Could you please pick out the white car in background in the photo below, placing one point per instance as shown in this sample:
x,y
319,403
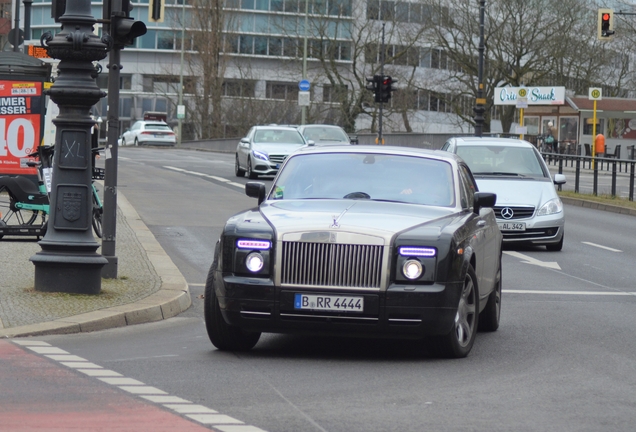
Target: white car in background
x,y
528,208
323,134
145,132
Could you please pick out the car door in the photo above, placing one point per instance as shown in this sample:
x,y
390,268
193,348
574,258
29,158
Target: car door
x,y
485,235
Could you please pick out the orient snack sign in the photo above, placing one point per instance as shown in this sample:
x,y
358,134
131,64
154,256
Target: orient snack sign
x,y
533,95
21,110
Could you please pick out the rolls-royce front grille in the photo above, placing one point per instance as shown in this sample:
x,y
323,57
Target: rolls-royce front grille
x,y
511,213
277,158
331,265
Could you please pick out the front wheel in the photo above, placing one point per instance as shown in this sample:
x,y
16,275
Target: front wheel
x,y
459,341
250,174
224,336
556,247
238,171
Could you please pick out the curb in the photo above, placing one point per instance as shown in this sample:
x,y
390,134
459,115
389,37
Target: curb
x,y
598,206
172,298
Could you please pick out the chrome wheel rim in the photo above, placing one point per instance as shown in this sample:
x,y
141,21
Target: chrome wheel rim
x,y
465,318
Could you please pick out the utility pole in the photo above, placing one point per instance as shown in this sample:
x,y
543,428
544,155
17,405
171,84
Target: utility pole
x,y
380,139
480,108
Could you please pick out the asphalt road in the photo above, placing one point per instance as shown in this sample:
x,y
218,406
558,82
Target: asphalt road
x,y
563,359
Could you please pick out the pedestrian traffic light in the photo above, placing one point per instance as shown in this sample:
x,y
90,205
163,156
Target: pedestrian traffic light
x,y
605,24
386,87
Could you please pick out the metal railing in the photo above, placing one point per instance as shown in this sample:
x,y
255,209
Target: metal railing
x,y
594,166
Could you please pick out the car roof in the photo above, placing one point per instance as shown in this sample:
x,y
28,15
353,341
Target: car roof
x,y
276,127
319,125
492,141
378,149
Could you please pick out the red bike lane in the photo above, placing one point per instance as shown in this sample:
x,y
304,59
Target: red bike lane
x,y
41,395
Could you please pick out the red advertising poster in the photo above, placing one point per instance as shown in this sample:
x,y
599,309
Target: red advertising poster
x,y
20,124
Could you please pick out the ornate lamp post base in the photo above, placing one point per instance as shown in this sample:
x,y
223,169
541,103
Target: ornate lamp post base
x,y
68,261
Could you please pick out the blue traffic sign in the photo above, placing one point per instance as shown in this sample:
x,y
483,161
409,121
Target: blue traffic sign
x,y
304,85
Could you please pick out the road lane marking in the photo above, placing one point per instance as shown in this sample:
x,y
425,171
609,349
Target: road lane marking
x,y
198,413
588,293
221,179
529,260
602,247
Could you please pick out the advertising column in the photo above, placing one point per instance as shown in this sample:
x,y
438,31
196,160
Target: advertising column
x,y
21,119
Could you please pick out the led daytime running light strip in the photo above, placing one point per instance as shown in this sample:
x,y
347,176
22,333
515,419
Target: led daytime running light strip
x,y
253,244
417,251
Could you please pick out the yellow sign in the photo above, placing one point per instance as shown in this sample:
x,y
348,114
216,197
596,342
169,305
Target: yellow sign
x,y
523,92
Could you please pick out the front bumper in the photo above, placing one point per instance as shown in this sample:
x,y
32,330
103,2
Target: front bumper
x,y
401,311
262,167
540,230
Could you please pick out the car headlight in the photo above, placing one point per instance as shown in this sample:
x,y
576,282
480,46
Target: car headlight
x,y
252,257
412,269
551,207
254,262
260,155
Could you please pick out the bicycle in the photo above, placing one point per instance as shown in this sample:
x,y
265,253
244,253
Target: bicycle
x,y
22,203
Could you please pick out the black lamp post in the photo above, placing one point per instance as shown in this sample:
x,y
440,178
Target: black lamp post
x,y
480,108
68,261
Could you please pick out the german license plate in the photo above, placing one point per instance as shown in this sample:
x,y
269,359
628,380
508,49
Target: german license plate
x,y
328,303
512,226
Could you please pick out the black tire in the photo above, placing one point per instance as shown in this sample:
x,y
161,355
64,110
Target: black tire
x,y
250,174
237,168
97,220
223,335
489,317
459,341
556,247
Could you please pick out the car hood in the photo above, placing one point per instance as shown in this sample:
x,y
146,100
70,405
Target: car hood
x,y
276,148
512,192
373,218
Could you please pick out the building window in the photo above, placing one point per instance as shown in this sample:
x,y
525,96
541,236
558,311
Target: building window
x,y
282,91
239,88
334,94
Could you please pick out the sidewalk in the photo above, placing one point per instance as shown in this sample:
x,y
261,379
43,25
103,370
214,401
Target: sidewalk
x,y
149,287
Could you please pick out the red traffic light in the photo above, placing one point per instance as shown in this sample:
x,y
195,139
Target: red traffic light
x,y
606,16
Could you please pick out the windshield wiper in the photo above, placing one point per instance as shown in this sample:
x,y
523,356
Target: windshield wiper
x,y
499,173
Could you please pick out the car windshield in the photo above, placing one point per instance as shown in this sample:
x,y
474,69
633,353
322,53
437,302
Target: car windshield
x,y
381,177
280,136
501,160
321,133
154,126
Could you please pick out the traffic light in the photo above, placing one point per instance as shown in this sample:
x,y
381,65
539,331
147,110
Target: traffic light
x,y
156,10
386,87
605,24
124,30
374,86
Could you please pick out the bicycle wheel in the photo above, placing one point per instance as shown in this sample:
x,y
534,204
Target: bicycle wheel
x,y
12,215
97,219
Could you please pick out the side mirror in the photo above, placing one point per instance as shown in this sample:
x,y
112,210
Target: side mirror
x,y
255,190
245,141
559,179
311,143
483,199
